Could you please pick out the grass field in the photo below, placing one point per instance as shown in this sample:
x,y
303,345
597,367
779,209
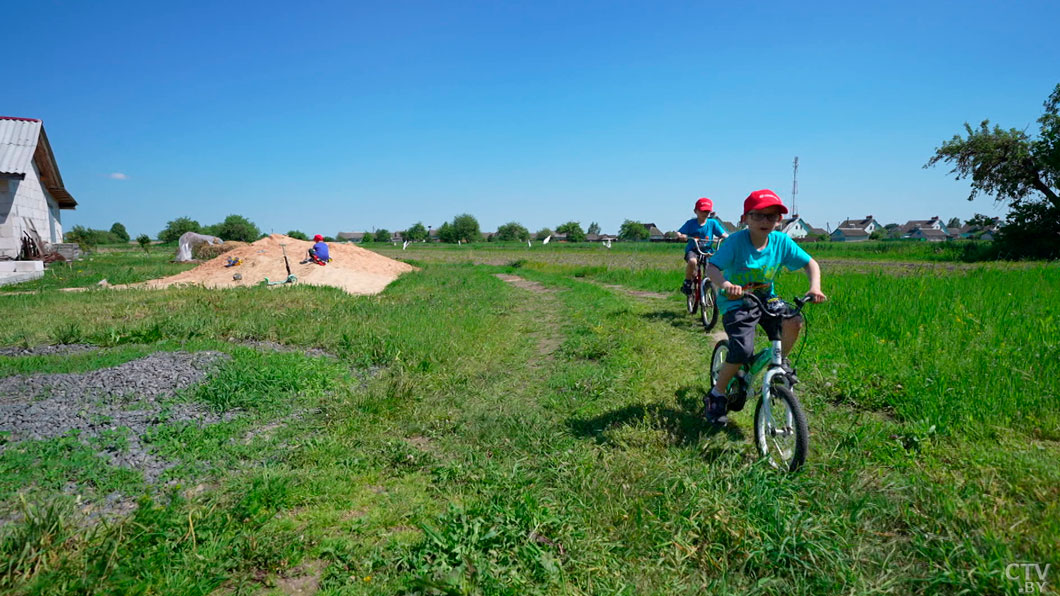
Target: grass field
x,y
473,436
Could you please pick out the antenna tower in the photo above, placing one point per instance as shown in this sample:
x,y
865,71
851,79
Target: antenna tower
x,y
794,185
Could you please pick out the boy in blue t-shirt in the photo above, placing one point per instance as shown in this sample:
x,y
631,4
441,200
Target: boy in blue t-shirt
x,y
704,226
749,261
319,252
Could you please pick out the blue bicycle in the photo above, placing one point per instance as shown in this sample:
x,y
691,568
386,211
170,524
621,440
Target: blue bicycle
x,y
781,432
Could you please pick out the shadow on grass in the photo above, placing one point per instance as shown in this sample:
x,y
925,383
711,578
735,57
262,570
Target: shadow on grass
x,y
677,318
684,424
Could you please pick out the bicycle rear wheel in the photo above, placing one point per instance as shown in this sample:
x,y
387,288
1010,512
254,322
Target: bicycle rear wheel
x,y
783,437
708,312
721,350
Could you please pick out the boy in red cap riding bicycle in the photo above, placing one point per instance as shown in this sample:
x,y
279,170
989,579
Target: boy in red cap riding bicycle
x,y
749,261
703,225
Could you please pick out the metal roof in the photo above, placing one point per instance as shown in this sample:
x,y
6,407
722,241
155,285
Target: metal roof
x,y
22,140
18,141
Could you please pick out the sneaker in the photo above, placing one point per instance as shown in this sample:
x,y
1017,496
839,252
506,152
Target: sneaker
x,y
716,409
686,288
789,369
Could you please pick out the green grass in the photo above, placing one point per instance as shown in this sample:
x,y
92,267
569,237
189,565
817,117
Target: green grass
x,y
475,437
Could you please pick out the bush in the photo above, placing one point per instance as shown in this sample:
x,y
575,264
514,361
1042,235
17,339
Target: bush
x,y
297,235
144,241
88,238
206,251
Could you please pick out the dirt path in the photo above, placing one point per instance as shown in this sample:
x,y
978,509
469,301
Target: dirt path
x,y
549,336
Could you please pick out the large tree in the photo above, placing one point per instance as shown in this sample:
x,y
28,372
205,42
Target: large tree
x,y
464,228
1014,167
176,228
236,227
416,232
573,230
512,231
594,228
633,230
119,232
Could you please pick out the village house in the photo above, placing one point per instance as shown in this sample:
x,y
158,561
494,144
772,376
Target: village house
x,y
797,228
868,224
654,233
32,194
917,229
848,235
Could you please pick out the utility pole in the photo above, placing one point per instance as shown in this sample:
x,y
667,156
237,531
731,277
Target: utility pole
x,y
794,185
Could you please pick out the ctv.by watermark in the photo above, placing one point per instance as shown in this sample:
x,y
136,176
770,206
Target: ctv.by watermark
x,y
1031,576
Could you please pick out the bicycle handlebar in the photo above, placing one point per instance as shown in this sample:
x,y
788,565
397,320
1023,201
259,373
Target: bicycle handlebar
x,y
695,247
799,303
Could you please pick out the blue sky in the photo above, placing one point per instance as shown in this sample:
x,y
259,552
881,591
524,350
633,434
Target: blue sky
x,y
350,116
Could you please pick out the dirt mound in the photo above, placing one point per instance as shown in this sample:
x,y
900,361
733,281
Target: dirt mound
x,y
352,268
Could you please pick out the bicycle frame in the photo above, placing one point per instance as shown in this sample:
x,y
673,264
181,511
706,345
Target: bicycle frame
x,y
770,359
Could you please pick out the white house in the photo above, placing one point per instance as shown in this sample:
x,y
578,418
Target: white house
x,y
909,230
796,227
31,189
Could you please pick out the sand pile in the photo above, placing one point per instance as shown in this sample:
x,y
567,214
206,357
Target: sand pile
x,y
352,268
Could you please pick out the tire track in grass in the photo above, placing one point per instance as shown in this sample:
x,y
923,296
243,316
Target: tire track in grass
x,y
549,337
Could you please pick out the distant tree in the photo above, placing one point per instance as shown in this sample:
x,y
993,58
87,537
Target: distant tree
x,y
416,233
119,232
446,233
878,234
543,233
382,235
464,228
176,228
573,230
236,227
511,232
594,229
1021,170
144,241
467,229
329,239
633,230
981,221
954,222
297,235
892,231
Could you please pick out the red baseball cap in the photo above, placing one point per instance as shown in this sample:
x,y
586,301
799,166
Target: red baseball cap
x,y
760,199
318,238
704,204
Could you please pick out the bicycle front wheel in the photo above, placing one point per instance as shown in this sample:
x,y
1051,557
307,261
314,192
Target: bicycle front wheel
x,y
708,312
782,435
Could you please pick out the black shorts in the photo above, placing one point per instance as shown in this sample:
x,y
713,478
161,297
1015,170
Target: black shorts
x,y
740,326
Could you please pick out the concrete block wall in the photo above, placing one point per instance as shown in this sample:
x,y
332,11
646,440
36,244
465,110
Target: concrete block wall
x,y
27,200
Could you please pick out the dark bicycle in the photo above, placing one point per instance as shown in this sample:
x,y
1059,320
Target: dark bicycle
x,y
702,299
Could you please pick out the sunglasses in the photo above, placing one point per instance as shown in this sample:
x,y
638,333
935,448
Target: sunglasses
x,y
759,216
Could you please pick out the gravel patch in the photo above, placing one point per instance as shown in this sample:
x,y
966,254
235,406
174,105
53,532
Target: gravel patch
x,y
47,350
119,404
